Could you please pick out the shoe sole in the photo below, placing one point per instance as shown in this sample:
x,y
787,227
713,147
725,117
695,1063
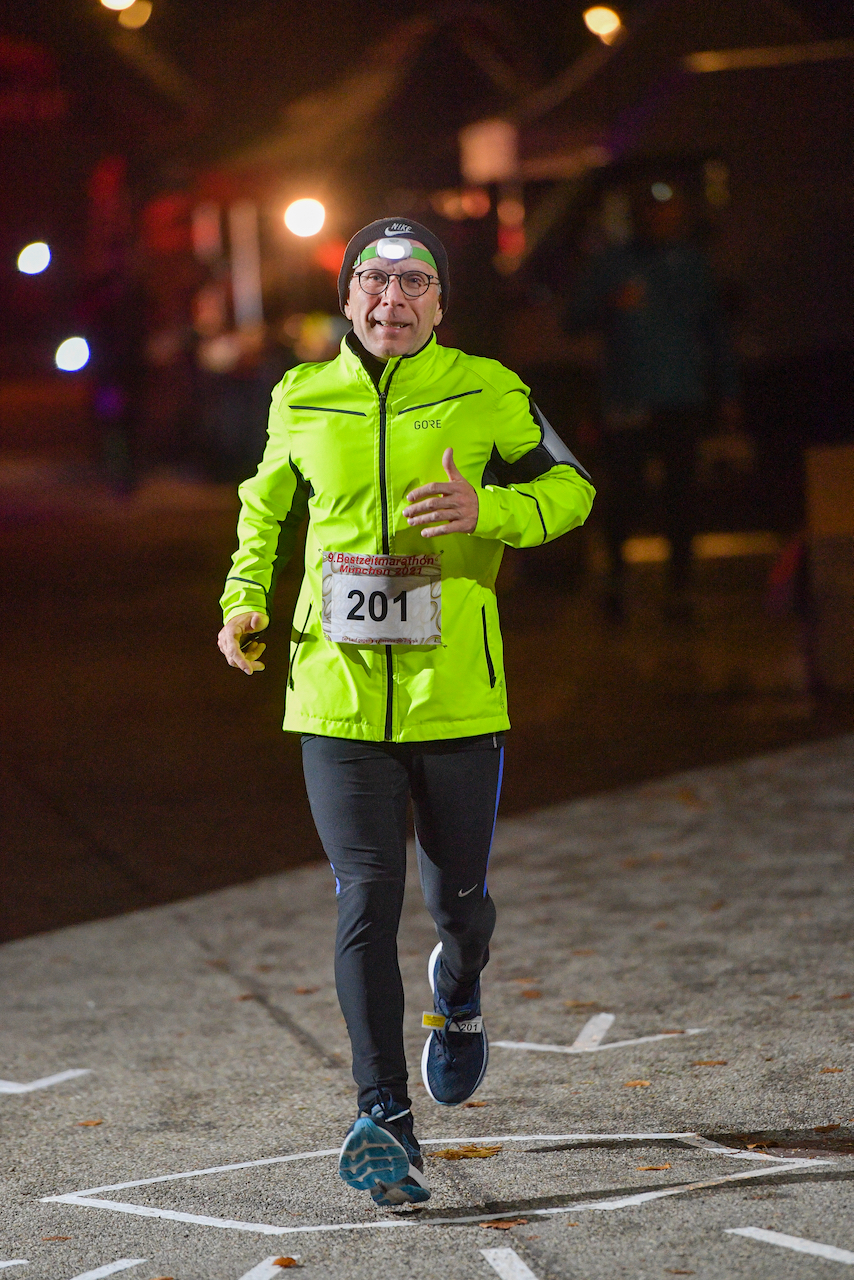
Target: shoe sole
x,y
431,976
371,1156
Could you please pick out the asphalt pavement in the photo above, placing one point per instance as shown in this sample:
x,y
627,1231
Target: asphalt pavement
x,y
670,1087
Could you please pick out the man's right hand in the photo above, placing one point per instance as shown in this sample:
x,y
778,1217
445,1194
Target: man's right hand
x,y
229,641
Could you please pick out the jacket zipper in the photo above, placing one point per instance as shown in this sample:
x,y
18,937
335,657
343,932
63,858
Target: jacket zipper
x,y
389,670
490,668
296,650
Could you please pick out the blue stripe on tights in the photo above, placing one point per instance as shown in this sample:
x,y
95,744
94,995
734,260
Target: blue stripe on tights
x,y
495,817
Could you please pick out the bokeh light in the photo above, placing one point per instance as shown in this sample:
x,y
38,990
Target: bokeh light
x,y
117,4
603,22
136,15
305,217
72,354
34,258
662,192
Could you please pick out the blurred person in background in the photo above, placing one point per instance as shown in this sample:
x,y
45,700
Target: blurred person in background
x,y
667,365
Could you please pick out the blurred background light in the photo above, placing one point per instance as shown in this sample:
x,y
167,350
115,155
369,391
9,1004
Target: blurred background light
x,y
135,15
603,22
33,258
117,4
72,354
305,217
662,192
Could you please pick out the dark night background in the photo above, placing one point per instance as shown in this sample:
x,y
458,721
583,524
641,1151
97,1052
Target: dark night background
x,y
135,767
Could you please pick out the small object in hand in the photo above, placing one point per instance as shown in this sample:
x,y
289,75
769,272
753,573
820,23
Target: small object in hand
x,y
504,1224
88,1124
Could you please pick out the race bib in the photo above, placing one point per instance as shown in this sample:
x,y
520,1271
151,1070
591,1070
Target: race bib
x,y
382,599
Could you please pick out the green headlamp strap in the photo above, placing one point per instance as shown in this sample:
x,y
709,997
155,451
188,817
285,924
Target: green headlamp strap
x,y
411,251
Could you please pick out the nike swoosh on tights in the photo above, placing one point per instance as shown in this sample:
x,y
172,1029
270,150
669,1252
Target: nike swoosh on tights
x,y
465,893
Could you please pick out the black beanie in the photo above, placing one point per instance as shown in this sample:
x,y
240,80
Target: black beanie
x,y
397,228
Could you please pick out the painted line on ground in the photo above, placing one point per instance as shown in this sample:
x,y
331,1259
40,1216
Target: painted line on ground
x,y
594,1048
268,1269
795,1242
12,1086
769,1165
593,1032
508,1264
110,1269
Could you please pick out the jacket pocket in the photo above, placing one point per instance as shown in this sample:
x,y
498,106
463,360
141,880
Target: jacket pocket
x,y
295,654
489,665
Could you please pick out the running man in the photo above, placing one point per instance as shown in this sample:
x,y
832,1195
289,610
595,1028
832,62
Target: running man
x,y
396,681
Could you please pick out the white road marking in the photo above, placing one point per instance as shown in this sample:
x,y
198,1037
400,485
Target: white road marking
x,y
593,1032
12,1086
768,1165
596,1048
795,1242
267,1270
508,1264
109,1269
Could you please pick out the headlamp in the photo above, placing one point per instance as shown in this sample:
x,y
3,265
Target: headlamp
x,y
395,250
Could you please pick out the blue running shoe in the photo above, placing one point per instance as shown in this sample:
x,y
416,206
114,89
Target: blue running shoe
x,y
381,1155
456,1054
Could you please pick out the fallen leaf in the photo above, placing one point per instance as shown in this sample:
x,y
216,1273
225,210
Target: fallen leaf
x,y
716,906
652,1168
581,1004
688,796
583,951
306,991
526,982
674,1031
56,1237
468,1152
247,995
846,995
531,995
826,1128
88,1124
831,1071
475,1104
660,924
285,1262
793,997
264,968
637,1084
504,1224
710,1062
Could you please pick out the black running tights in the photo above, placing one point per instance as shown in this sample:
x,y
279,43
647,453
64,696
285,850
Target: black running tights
x,y
358,792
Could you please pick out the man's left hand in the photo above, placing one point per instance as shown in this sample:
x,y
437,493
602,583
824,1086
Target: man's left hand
x,y
446,507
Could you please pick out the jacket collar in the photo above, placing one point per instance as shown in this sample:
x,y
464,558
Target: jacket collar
x,y
404,369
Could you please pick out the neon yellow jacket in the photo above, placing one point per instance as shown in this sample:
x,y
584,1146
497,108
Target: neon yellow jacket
x,y
348,452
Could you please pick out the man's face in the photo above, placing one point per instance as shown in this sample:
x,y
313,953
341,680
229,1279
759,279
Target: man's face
x,y
392,324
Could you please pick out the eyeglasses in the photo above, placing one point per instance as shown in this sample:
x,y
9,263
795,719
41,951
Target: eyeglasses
x,y
413,283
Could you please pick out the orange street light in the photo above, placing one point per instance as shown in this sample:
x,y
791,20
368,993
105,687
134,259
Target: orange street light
x,y
305,217
603,22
